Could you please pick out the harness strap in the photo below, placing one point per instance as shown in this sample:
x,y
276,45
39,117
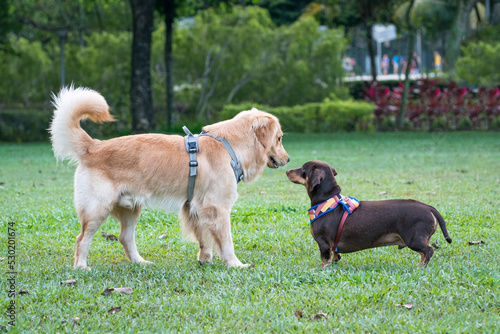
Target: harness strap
x,y
238,171
349,206
192,148
339,231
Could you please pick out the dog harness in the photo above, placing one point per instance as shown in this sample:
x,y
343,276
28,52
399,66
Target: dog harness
x,y
348,203
192,148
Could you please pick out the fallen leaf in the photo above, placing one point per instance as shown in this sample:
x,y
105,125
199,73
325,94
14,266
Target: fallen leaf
x,y
1,258
125,291
68,282
298,314
376,184
263,193
410,182
382,193
476,242
435,245
109,237
115,310
75,321
320,315
162,236
22,292
108,291
408,306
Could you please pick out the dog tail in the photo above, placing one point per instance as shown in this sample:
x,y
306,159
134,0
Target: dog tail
x,y
442,223
69,140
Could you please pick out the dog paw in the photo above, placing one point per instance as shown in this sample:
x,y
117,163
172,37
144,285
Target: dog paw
x,y
81,267
241,265
202,263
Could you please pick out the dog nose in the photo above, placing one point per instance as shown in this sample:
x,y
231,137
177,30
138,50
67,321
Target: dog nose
x,y
288,159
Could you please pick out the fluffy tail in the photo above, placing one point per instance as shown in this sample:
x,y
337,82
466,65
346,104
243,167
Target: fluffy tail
x,y
442,224
69,140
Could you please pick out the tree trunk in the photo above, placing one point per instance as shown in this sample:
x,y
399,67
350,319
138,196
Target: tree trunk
x,y
140,90
457,32
404,100
371,50
169,8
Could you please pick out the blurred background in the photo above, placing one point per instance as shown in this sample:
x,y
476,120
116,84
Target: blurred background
x,y
333,65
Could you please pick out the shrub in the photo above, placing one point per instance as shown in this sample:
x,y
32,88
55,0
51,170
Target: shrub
x,y
20,125
327,116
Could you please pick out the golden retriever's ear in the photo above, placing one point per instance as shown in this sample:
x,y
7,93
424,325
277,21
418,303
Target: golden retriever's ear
x,y
264,129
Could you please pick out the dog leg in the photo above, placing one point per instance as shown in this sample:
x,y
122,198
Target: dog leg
x,y
205,243
199,232
220,230
88,228
425,251
325,252
128,221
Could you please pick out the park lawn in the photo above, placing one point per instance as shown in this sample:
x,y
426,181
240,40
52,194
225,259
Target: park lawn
x,y
459,292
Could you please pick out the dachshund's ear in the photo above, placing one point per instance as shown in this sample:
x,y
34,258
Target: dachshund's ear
x,y
317,176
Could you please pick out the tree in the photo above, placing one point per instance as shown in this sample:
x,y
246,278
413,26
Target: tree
x,y
366,13
242,56
411,46
458,29
141,101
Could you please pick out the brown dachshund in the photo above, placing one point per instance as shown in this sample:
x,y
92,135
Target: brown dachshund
x,y
401,222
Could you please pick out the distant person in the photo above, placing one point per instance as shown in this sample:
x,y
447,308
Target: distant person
x,y
415,64
346,64
385,64
438,65
395,64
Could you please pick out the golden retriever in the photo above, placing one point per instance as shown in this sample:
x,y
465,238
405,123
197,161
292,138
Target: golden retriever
x,y
120,176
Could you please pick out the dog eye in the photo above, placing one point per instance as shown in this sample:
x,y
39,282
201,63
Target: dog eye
x,y
279,139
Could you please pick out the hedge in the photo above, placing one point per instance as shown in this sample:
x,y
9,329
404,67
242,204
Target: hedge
x,y
28,125
21,125
337,115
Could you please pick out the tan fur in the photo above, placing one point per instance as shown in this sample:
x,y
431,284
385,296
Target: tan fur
x,y
122,175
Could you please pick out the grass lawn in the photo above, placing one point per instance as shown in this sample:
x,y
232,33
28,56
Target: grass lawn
x,y
459,292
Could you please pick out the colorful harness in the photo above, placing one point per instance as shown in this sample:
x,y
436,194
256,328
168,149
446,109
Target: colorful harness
x,y
348,203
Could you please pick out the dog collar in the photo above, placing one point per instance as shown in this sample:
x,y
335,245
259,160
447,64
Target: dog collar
x,y
348,203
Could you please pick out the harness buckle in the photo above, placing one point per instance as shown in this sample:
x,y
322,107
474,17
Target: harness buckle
x,y
193,163
192,147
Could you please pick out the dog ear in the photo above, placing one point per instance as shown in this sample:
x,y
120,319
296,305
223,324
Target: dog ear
x,y
317,176
334,172
262,125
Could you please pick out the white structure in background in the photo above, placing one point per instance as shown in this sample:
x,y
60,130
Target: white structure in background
x,y
381,34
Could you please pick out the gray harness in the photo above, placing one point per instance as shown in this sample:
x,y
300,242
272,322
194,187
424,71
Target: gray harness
x,y
192,148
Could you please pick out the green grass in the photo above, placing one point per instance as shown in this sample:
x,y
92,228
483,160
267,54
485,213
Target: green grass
x,y
458,173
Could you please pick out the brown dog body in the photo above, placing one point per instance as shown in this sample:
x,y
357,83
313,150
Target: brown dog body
x,y
401,222
122,175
